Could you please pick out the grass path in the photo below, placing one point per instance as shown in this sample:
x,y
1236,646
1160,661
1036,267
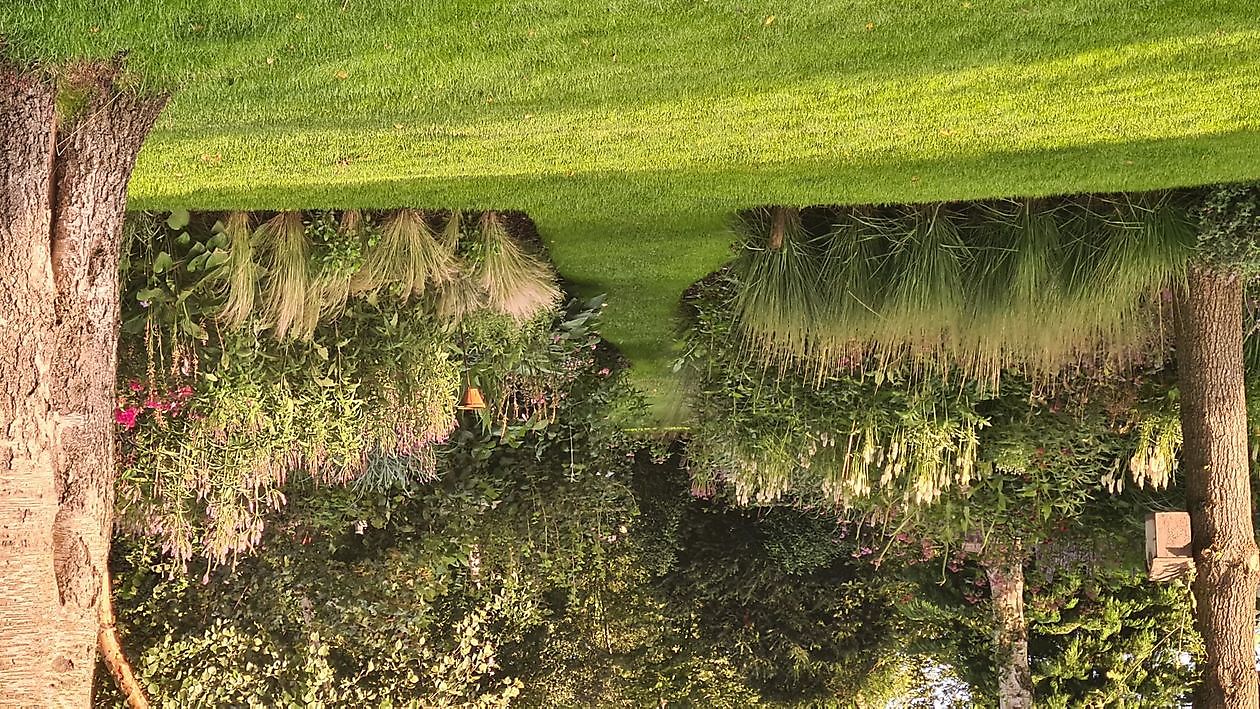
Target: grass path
x,y
630,128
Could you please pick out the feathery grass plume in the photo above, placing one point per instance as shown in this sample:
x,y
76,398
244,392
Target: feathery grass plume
x,y
452,231
515,282
926,287
288,297
407,256
240,286
1012,289
977,288
852,290
780,297
463,295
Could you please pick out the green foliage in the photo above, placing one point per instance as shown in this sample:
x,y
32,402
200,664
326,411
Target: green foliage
x,y
1112,639
879,438
1100,633
449,580
786,595
215,420
856,436
1229,227
297,634
973,288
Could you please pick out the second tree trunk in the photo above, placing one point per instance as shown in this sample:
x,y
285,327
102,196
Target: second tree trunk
x,y
1218,483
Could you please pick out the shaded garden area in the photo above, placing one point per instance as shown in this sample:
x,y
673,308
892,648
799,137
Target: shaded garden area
x,y
866,484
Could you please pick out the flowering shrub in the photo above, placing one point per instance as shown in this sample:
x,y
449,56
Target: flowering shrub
x,y
216,419
200,472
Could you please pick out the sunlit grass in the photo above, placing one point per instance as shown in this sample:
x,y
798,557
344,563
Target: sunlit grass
x,y
629,131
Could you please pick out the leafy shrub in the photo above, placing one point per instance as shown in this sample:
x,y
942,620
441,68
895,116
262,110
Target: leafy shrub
x,y
1229,227
351,385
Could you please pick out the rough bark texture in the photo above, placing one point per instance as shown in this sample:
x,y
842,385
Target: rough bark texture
x,y
778,226
1218,483
28,499
61,215
1010,632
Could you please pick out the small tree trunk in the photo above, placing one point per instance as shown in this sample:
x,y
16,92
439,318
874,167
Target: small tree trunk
x,y
61,214
1218,483
779,219
113,656
1010,631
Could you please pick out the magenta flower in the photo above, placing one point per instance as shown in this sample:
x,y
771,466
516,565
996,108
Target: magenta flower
x,y
135,385
126,417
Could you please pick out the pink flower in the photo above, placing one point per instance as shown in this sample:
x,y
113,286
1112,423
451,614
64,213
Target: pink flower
x,y
605,372
126,417
135,385
152,402
185,392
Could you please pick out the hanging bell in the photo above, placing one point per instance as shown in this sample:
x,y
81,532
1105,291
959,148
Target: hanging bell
x,y
473,400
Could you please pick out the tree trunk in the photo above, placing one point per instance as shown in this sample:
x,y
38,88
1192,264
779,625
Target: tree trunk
x,y
1218,483
779,219
1010,631
61,215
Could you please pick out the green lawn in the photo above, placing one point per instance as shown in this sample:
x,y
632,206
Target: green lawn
x,y
630,130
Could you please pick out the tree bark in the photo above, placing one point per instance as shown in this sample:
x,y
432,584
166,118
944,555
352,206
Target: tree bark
x,y
1218,483
779,218
61,217
1010,631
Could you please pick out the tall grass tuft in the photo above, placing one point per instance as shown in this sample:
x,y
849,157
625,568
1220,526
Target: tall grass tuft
x,y
240,284
515,282
290,305
463,295
779,270
407,257
452,231
1040,286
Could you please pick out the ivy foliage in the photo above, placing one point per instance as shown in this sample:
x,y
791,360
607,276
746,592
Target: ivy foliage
x,y
1229,227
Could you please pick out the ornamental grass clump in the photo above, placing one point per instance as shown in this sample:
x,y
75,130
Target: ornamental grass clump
x,y
1037,286
290,306
240,273
515,282
464,295
779,269
407,258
